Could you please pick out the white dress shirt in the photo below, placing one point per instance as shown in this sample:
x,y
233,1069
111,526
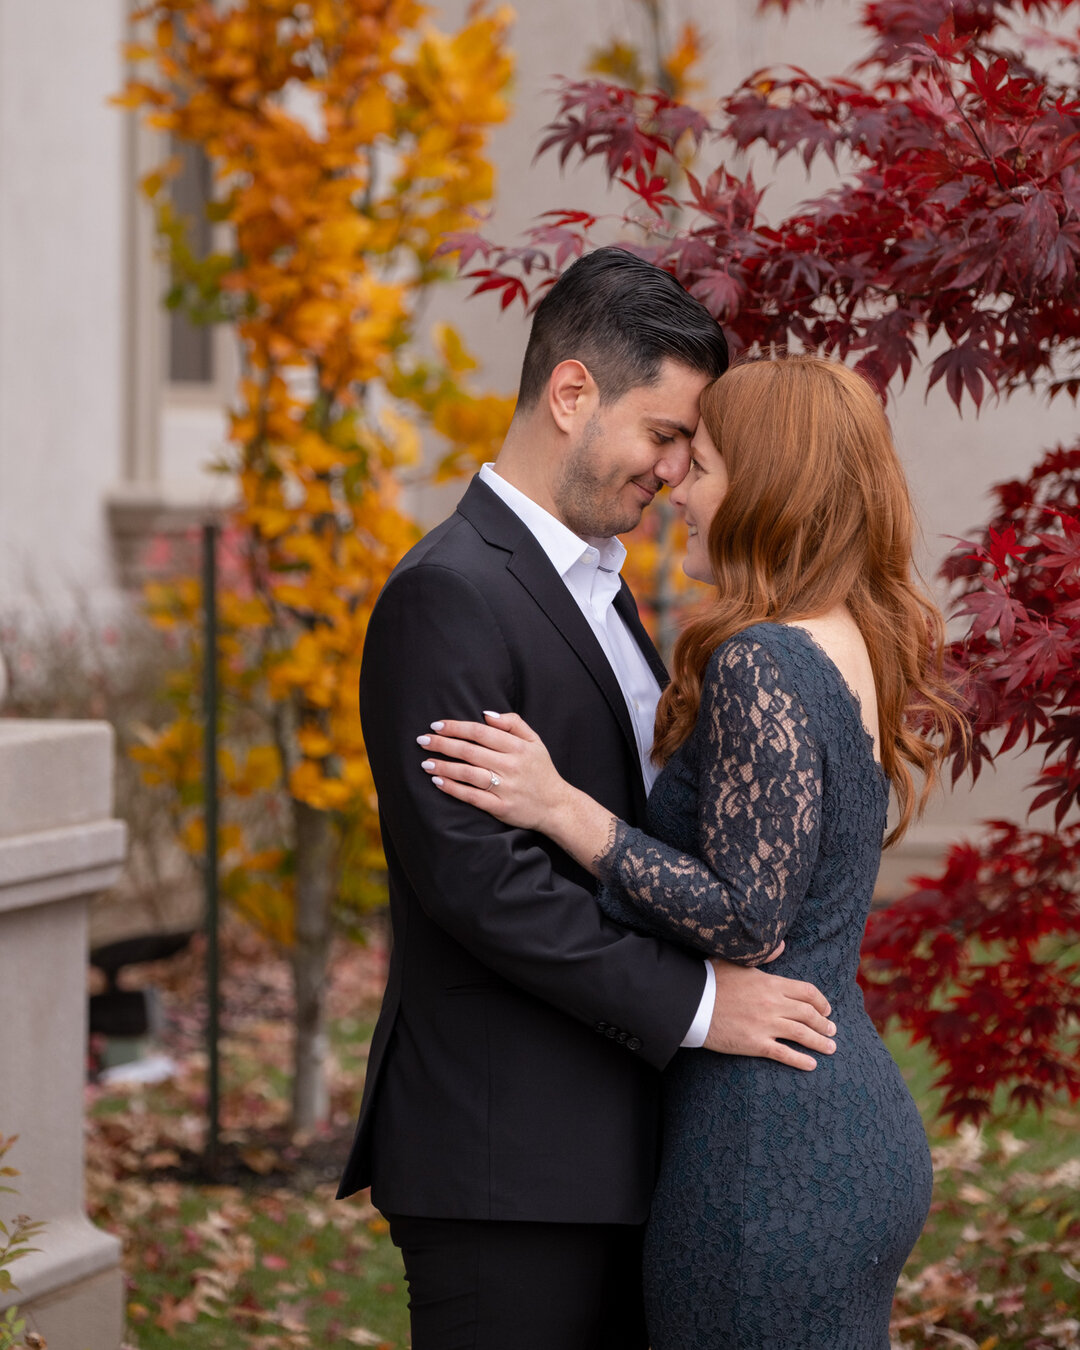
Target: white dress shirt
x,y
590,571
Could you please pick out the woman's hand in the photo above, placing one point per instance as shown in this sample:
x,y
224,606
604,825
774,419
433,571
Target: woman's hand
x,y
505,770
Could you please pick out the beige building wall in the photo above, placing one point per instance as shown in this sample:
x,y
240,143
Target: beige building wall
x,y
95,440
61,291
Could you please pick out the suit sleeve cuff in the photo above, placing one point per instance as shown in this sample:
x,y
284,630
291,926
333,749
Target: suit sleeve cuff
x,y
699,1027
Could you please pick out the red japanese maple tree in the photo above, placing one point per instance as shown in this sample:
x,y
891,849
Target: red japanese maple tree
x,y
955,221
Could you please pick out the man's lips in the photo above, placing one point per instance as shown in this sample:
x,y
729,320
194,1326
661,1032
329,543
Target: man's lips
x,y
647,493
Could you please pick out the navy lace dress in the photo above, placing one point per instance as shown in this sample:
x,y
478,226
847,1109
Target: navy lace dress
x,y
787,1200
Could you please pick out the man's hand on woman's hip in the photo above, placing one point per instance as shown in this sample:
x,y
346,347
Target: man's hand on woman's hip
x,y
755,1012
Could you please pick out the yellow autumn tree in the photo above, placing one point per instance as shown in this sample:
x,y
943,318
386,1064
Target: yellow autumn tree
x,y
345,139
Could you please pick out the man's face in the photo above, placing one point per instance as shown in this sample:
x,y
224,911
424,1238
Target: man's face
x,y
626,451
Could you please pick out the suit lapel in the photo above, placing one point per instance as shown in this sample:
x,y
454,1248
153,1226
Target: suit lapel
x,y
549,591
530,565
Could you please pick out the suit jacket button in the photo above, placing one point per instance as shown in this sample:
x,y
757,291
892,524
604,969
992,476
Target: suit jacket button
x,y
623,1037
633,1043
613,1032
601,1027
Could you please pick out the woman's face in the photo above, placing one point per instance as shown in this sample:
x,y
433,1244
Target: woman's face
x,y
698,496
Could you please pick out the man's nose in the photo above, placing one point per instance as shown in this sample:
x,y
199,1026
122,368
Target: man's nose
x,y
674,465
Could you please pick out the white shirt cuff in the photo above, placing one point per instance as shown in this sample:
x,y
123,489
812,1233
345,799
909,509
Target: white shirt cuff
x,y
699,1027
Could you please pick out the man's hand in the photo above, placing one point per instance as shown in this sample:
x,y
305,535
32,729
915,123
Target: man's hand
x,y
754,1011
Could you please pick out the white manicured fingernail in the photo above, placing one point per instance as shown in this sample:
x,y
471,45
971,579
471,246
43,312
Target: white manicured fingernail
x,y
437,782
423,740
491,714
428,764
436,726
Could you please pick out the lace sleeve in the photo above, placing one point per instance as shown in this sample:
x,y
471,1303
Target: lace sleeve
x,y
759,795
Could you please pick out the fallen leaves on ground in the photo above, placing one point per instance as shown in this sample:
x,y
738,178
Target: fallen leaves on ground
x,y
1010,1280
265,1257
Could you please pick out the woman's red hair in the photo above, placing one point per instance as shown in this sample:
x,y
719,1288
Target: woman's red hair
x,y
817,515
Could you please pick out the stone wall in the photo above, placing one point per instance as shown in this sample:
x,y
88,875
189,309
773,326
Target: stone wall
x,y
58,847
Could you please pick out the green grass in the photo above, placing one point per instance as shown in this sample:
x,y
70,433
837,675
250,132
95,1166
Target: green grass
x,y
222,1268
256,1265
998,1259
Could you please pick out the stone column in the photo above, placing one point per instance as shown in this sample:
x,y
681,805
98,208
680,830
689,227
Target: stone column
x,y
58,847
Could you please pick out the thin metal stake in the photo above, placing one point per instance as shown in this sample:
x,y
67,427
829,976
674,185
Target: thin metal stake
x,y
210,774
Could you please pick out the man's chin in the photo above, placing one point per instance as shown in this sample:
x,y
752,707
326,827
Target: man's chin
x,y
607,527
626,515
622,524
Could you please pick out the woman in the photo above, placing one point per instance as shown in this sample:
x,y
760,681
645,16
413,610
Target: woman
x,y
786,1203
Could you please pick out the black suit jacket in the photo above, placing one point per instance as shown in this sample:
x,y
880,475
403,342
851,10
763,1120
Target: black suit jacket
x,y
513,1069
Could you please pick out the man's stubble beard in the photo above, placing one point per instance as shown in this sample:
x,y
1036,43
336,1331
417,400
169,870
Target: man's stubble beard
x,y
588,502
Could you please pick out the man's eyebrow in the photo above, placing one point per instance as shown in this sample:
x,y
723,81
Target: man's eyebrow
x,y
671,425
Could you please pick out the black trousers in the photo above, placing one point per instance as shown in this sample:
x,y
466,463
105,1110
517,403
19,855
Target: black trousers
x,y
482,1285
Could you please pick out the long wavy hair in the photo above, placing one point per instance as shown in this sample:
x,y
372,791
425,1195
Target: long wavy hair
x,y
817,514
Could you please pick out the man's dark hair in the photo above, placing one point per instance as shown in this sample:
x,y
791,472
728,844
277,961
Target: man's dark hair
x,y
620,317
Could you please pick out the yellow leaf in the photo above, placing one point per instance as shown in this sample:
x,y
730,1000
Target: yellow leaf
x,y
152,183
316,453
193,836
244,611
619,60
452,349
402,437
263,767
314,742
270,521
231,836
681,61
307,784
268,860
295,597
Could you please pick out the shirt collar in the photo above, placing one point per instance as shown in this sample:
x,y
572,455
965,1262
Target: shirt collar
x,y
563,547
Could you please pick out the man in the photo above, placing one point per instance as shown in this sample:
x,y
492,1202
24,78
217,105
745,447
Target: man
x,y
509,1121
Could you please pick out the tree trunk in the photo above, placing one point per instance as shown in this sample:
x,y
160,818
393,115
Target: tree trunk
x,y
316,879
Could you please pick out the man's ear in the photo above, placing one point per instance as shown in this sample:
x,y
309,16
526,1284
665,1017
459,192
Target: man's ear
x,y
572,395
